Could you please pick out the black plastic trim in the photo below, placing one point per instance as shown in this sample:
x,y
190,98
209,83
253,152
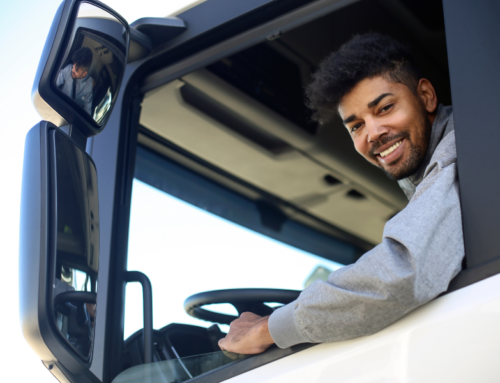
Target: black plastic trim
x,y
141,39
472,33
65,376
147,298
159,29
475,274
240,367
122,171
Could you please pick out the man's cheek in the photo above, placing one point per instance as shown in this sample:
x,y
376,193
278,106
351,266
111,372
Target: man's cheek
x,y
364,151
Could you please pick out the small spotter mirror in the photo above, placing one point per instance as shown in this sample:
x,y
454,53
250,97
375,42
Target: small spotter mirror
x,y
81,77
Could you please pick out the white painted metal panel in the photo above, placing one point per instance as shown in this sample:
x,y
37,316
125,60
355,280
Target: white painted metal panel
x,y
455,338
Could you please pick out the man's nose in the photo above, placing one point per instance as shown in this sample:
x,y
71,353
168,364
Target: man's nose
x,y
375,131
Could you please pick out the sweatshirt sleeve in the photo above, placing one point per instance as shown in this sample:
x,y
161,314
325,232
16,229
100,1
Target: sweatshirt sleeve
x,y
61,76
421,251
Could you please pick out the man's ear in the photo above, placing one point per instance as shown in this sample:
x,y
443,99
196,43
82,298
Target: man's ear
x,y
427,94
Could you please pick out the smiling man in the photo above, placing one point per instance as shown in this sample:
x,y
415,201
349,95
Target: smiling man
x,y
392,115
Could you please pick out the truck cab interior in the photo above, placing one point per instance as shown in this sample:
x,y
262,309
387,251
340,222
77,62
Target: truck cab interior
x,y
235,139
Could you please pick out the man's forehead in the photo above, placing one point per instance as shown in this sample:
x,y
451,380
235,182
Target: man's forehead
x,y
364,93
80,68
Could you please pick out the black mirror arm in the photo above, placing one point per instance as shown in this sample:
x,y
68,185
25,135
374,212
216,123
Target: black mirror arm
x,y
78,138
159,29
147,297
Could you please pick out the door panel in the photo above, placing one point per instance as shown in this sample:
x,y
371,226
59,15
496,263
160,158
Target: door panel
x,y
455,338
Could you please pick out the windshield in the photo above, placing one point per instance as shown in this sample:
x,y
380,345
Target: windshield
x,y
185,250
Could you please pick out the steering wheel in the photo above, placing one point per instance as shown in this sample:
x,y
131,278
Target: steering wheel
x,y
242,299
78,329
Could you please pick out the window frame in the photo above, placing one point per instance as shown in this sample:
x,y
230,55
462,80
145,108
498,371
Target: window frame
x,y
470,37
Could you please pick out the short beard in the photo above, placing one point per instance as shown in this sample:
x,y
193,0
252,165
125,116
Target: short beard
x,y
416,154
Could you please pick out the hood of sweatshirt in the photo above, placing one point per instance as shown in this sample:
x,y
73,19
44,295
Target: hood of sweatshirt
x,y
443,124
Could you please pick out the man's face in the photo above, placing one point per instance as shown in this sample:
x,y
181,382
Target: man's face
x,y
78,72
389,124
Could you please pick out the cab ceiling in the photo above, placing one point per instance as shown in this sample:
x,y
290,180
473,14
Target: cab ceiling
x,y
245,115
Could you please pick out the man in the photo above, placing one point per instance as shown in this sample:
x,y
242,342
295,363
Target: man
x,y
395,122
73,80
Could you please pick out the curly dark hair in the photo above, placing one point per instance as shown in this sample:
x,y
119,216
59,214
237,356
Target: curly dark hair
x,y
364,56
82,58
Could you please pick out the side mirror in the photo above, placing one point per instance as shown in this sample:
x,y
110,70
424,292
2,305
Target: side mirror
x,y
82,66
77,83
59,248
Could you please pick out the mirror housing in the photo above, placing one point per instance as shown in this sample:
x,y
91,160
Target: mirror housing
x,y
99,30
59,248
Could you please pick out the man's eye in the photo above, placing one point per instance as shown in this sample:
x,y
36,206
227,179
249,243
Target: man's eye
x,y
355,127
385,108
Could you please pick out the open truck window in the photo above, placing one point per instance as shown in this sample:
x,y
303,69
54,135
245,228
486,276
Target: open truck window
x,y
236,187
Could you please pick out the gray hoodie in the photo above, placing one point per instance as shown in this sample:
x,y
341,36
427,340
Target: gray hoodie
x,y
421,251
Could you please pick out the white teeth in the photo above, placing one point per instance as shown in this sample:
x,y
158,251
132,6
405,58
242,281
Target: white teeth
x,y
390,150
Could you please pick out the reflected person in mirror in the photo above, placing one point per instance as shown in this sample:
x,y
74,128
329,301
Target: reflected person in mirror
x,y
74,79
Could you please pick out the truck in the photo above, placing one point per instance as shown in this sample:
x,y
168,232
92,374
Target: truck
x,y
205,111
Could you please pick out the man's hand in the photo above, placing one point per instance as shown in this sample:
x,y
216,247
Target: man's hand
x,y
248,334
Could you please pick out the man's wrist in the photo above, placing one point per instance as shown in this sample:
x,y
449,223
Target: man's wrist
x,y
263,332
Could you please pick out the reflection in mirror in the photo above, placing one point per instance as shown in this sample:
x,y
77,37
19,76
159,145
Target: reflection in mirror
x,y
94,62
77,243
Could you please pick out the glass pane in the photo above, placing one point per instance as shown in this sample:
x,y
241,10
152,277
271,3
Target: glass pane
x,y
177,370
77,243
185,250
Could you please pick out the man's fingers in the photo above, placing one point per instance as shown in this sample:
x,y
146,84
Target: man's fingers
x,y
221,344
249,315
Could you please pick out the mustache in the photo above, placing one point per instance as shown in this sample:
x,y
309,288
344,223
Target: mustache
x,y
384,140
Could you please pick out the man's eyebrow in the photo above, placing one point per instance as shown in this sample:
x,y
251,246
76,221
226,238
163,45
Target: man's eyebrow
x,y
349,119
375,102
371,104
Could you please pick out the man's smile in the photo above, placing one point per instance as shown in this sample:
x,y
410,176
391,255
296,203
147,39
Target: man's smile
x,y
390,152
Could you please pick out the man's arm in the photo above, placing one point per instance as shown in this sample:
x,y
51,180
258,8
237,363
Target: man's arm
x,y
88,97
421,252
61,77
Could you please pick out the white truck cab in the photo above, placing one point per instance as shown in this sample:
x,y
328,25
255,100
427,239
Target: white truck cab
x,y
203,114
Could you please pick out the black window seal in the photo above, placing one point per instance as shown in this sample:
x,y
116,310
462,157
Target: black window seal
x,y
250,363
474,274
